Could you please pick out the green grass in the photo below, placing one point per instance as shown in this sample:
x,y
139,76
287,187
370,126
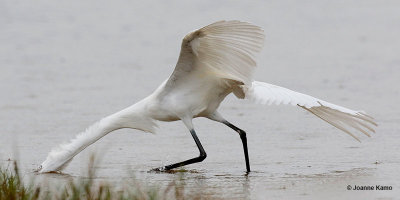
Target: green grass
x,y
13,187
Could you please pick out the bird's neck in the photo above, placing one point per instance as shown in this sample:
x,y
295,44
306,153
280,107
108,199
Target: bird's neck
x,y
135,117
131,117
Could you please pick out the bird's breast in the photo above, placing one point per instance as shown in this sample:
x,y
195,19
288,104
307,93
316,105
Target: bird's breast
x,y
190,101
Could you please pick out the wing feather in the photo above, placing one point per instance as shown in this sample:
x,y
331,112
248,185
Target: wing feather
x,y
342,118
224,49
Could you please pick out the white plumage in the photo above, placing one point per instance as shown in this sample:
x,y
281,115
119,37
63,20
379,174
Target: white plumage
x,y
340,117
227,49
215,61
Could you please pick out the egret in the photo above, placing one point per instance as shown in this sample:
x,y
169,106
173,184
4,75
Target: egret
x,y
214,61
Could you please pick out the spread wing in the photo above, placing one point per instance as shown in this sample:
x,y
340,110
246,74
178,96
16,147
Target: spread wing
x,y
224,49
342,118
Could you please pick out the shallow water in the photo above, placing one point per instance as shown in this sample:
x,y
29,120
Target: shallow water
x,y
65,65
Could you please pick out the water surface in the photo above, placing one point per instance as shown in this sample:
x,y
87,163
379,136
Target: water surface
x,y
65,65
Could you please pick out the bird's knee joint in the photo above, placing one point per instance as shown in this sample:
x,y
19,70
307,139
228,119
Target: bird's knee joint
x,y
202,156
242,133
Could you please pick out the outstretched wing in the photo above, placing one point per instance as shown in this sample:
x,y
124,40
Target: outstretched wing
x,y
342,118
224,49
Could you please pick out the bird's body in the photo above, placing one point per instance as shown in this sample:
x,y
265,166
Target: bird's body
x,y
202,98
215,61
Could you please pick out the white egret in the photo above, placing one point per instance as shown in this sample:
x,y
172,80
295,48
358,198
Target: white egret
x,y
214,61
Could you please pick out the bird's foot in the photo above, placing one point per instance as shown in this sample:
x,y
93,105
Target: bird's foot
x,y
170,171
158,169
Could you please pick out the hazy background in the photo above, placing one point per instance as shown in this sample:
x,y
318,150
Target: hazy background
x,y
66,64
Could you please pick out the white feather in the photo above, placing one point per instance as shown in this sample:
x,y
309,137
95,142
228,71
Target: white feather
x,y
132,117
224,49
214,61
340,117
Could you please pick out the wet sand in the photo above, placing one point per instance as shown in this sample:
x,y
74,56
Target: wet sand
x,y
65,65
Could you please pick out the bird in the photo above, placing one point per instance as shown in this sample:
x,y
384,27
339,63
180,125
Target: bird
x,y
215,61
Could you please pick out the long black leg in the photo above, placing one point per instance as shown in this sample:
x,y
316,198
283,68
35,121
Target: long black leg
x,y
200,158
243,137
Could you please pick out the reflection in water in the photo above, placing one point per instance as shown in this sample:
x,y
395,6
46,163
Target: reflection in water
x,y
246,187
194,183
